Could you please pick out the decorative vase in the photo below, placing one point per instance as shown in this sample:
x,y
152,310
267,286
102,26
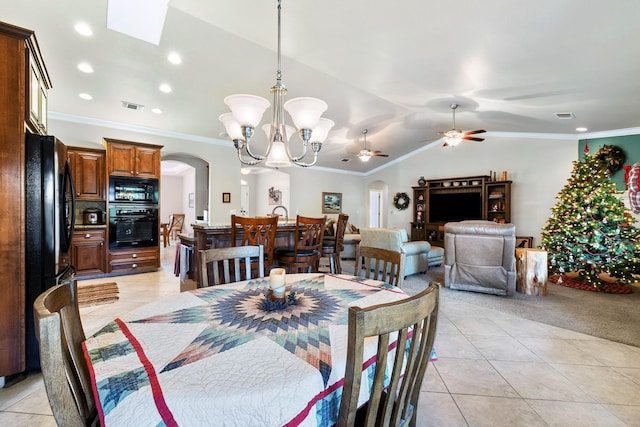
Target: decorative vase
x,y
422,181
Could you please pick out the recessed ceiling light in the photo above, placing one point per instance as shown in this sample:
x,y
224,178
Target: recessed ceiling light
x,y
83,29
156,111
85,68
164,87
581,129
86,96
174,58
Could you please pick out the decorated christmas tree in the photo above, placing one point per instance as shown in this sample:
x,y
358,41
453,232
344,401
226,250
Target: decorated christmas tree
x,y
590,231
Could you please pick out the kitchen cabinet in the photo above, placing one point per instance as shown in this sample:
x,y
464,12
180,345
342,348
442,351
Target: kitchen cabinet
x,y
88,171
88,251
136,260
19,53
36,93
133,159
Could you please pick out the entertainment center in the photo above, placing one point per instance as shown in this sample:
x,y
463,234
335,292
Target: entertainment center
x,y
455,199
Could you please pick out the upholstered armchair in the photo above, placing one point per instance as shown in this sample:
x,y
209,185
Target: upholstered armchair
x,y
397,240
480,257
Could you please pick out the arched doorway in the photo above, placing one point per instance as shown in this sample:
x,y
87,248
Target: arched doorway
x,y
196,200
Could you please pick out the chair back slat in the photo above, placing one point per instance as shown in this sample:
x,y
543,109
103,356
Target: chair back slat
x,y
309,233
380,264
412,324
227,264
64,369
254,232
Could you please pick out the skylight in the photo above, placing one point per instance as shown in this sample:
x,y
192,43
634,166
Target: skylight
x,y
142,19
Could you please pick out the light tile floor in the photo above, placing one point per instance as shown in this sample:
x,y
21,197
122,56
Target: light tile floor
x,y
492,369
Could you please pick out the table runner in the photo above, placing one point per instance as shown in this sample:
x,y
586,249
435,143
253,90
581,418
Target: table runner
x,y
212,356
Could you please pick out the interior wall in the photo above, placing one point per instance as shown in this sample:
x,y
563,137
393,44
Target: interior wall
x,y
308,184
189,187
539,168
278,181
169,203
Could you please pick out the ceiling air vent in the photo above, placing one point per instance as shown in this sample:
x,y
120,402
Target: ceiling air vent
x,y
565,116
131,105
345,160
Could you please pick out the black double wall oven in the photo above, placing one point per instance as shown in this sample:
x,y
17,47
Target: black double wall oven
x,y
133,212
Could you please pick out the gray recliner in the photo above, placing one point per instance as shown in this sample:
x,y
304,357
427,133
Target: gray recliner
x,y
480,257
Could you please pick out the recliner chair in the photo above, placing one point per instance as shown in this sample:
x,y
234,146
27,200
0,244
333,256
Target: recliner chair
x,y
480,257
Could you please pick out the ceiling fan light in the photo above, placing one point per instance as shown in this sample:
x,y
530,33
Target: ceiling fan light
x,y
305,111
321,131
364,155
278,157
247,109
231,126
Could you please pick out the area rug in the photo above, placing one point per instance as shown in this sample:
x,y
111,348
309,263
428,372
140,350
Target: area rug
x,y
97,294
606,287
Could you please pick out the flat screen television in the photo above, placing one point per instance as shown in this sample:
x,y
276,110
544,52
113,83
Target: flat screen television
x,y
446,207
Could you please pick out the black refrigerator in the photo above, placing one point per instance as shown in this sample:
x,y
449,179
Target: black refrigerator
x,y
50,216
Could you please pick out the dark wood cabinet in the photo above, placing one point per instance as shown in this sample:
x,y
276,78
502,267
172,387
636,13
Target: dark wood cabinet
x,y
19,55
133,159
456,199
138,260
36,115
88,252
88,171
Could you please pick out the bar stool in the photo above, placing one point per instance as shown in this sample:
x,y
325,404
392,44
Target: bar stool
x,y
305,255
255,231
334,245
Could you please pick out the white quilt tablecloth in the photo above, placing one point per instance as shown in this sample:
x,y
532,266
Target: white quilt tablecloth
x,y
212,356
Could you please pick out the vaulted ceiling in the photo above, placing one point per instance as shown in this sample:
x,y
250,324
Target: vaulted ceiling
x,y
393,68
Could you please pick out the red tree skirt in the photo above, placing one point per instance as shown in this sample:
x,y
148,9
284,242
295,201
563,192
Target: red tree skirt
x,y
606,287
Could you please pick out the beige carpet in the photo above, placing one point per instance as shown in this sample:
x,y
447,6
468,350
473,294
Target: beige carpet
x,y
615,317
97,294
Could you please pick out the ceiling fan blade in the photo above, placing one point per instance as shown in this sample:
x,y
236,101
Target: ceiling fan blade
x,y
472,138
379,155
473,132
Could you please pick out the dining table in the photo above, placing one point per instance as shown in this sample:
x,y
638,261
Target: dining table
x,y
225,355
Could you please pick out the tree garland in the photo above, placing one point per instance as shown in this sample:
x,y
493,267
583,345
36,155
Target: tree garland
x,y
401,201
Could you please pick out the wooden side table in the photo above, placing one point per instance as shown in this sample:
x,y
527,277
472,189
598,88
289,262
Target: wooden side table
x,y
531,271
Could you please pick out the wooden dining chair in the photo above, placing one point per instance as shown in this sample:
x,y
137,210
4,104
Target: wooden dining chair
x,y
395,402
304,256
333,246
176,224
230,264
380,264
255,231
64,369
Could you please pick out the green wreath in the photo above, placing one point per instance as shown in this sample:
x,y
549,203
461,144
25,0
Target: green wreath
x,y
611,157
401,201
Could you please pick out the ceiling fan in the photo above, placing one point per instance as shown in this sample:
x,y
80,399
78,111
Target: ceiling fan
x,y
365,154
454,136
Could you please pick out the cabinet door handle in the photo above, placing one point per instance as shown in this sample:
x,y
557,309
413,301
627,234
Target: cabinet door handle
x,y
134,256
134,265
87,236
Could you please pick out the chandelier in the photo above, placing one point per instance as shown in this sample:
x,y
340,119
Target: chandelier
x,y
246,113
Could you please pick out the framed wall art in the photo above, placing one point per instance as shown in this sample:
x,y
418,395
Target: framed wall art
x,y
192,200
226,197
524,242
331,203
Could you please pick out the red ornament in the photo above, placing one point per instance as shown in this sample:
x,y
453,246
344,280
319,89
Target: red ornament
x,y
586,146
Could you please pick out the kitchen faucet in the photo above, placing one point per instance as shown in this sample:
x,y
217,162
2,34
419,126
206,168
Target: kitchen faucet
x,y
286,212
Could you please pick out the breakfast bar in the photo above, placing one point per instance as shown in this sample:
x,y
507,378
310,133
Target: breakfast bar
x,y
207,236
